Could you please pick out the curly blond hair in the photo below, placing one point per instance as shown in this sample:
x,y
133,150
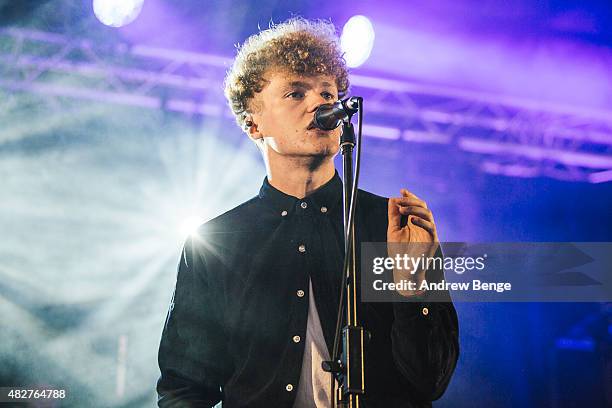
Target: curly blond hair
x,y
298,46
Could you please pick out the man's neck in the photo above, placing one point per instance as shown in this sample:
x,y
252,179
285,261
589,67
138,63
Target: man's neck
x,y
297,177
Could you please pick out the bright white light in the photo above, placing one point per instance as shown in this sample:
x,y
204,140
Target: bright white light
x,y
190,225
357,40
117,13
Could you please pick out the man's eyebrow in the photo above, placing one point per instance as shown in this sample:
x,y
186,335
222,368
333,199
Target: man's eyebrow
x,y
299,84
306,85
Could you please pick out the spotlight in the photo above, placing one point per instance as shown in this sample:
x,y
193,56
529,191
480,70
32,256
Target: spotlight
x,y
117,13
357,40
190,225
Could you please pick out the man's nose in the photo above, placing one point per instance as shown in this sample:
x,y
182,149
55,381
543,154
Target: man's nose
x,y
315,102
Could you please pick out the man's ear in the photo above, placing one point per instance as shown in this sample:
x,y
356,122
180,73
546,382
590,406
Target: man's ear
x,y
251,129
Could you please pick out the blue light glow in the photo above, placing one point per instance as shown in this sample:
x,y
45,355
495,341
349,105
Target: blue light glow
x,y
117,13
357,40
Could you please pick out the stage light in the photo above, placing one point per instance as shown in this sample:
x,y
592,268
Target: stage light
x,y
117,13
190,225
357,40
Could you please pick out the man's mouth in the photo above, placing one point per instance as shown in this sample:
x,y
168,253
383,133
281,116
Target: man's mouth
x,y
312,126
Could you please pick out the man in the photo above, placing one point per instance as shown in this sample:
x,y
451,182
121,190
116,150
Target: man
x,y
254,308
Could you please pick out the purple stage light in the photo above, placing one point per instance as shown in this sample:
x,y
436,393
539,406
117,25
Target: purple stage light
x,y
381,132
600,177
117,13
357,40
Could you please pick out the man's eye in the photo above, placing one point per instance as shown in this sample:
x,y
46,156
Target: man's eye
x,y
328,96
295,95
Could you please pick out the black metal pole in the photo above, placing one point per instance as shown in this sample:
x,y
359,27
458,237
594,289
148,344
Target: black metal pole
x,y
351,384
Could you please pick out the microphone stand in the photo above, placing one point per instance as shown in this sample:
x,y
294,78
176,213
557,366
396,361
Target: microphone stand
x,y
349,368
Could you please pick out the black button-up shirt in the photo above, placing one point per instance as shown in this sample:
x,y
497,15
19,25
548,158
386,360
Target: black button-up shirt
x,y
242,295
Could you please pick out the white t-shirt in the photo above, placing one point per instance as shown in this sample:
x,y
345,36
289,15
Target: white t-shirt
x,y
314,387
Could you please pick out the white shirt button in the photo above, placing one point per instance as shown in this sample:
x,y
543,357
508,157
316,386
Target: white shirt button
x,y
323,210
296,339
302,248
284,213
289,387
300,293
304,205
425,311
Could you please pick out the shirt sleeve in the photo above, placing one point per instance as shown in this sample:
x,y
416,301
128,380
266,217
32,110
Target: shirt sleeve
x,y
425,342
192,355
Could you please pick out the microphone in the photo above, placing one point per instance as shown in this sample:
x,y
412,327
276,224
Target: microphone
x,y
330,115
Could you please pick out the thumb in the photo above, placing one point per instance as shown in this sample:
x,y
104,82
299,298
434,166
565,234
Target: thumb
x,y
394,215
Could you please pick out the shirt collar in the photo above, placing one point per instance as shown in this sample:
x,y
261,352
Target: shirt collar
x,y
324,198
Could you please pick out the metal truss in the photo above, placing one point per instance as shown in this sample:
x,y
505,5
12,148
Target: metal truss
x,y
506,135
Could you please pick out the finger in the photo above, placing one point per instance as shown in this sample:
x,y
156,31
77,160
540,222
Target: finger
x,y
406,201
426,225
407,193
419,211
394,215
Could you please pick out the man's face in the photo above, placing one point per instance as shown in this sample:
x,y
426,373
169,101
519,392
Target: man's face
x,y
283,112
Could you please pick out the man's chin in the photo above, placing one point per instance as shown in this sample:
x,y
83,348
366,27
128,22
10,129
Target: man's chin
x,y
320,153
316,132
327,150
